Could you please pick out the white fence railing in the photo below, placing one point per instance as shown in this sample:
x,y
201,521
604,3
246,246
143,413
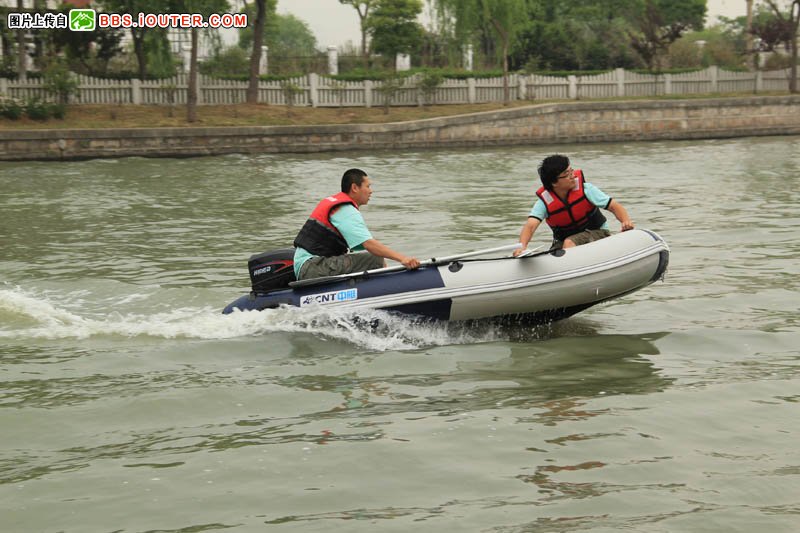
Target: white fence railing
x,y
322,91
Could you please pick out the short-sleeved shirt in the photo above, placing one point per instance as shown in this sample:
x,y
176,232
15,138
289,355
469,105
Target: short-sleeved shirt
x,y
348,220
593,194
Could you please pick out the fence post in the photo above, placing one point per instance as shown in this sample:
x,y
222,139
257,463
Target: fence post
x,y
402,62
573,87
368,93
521,88
714,71
759,81
530,80
333,60
471,92
186,54
136,91
263,64
4,86
468,55
667,83
313,86
620,72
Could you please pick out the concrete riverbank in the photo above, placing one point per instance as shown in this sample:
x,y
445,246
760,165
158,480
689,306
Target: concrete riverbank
x,y
569,122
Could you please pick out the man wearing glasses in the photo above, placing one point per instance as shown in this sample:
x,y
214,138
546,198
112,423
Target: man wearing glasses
x,y
570,206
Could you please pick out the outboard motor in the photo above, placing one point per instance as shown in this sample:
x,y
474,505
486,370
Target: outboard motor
x,y
273,270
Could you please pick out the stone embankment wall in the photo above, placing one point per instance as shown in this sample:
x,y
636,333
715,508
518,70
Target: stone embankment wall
x,y
572,122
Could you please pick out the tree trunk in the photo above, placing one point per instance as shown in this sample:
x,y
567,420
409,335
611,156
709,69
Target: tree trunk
x,y
748,35
506,92
793,71
255,56
364,51
191,97
138,50
505,37
363,20
22,49
794,15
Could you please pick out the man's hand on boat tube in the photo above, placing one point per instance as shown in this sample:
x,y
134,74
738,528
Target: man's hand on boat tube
x,y
410,262
376,247
622,215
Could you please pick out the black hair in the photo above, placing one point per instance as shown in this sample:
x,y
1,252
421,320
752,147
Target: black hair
x,y
550,168
351,176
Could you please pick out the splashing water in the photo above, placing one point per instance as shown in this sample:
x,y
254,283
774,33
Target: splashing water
x,y
31,315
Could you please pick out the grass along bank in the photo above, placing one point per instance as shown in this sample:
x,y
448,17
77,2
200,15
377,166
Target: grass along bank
x,y
109,116
152,116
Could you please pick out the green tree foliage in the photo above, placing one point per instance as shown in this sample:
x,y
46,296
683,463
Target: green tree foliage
x,y
771,31
394,28
494,24
427,85
505,18
59,81
158,50
570,35
548,34
291,36
463,20
227,63
659,23
362,7
717,45
86,52
134,7
246,35
788,13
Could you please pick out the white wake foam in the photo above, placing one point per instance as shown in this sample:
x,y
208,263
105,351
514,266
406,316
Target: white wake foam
x,y
28,315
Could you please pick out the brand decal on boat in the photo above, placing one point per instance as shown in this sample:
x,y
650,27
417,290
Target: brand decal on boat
x,y
329,297
263,270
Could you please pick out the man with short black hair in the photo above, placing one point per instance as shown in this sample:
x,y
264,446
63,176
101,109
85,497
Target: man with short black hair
x,y
336,228
570,206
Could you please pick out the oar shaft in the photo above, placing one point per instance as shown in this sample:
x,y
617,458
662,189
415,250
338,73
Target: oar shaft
x,y
398,268
440,260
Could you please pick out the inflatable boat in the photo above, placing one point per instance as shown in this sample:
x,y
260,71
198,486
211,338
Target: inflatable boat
x,y
534,288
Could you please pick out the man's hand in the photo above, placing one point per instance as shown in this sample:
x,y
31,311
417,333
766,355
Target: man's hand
x,y
410,262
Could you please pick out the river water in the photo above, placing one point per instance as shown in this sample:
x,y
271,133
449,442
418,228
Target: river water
x,y
129,403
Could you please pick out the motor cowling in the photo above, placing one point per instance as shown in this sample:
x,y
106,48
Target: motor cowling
x,y
273,270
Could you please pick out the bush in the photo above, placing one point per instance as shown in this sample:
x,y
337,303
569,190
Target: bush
x,y
60,82
263,77
233,61
10,109
37,109
8,68
58,111
428,85
445,73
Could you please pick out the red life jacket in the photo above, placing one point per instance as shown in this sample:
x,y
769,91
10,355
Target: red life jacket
x,y
318,235
576,215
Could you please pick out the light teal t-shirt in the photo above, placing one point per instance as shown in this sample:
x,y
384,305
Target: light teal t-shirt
x,y
348,220
595,195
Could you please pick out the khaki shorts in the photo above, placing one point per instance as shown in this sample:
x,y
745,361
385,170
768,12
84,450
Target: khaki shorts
x,y
585,237
318,267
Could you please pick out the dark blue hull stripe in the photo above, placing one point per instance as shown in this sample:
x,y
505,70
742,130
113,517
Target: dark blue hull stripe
x,y
379,285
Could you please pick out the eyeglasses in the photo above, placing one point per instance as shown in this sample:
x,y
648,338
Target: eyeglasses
x,y
566,174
